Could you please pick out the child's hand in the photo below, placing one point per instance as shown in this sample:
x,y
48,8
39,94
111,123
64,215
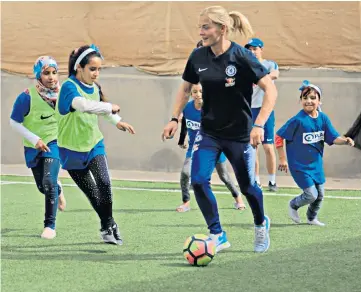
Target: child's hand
x,y
125,127
349,141
283,165
40,145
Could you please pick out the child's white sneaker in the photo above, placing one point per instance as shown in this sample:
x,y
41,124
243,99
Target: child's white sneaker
x,y
293,213
48,233
315,222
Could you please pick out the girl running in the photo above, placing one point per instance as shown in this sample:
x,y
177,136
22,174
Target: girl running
x,y
305,135
33,117
81,143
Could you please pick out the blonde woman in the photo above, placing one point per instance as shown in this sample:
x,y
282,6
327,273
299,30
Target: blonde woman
x,y
227,72
192,118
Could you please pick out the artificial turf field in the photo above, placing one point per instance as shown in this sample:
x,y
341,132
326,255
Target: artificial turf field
x,y
301,257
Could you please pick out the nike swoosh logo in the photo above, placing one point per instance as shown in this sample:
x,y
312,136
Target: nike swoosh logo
x,y
43,118
245,151
200,70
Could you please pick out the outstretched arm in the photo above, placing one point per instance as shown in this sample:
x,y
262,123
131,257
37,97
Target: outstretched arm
x,y
344,141
93,107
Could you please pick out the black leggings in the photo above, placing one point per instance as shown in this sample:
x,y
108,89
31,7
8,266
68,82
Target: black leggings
x,y
46,178
94,181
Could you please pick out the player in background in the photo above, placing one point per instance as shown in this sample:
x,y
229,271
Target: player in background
x,y
256,46
33,117
305,135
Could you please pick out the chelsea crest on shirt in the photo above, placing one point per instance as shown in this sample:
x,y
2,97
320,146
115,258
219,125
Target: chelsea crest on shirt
x,y
231,71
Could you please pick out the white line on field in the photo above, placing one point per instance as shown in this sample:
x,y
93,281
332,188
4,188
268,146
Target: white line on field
x,y
175,190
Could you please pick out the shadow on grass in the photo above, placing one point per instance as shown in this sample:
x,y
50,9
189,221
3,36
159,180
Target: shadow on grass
x,y
238,225
78,255
336,264
122,210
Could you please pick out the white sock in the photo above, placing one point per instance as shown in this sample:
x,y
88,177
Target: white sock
x,y
272,178
258,179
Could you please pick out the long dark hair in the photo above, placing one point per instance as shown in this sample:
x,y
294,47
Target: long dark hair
x,y
74,56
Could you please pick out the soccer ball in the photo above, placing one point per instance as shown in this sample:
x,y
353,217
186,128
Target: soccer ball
x,y
199,250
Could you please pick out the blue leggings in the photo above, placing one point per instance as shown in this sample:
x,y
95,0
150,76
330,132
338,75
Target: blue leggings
x,y
46,178
206,152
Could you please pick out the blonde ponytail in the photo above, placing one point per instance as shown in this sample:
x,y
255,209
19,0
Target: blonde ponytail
x,y
234,21
240,23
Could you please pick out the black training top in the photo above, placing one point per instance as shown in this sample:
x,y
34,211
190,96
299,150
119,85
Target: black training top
x,y
227,83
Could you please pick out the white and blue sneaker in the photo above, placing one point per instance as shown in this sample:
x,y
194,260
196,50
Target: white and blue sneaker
x,y
262,240
220,241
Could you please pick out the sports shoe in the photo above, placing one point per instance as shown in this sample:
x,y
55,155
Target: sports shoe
x,y
220,241
293,213
117,235
272,187
315,222
48,233
262,240
107,236
185,207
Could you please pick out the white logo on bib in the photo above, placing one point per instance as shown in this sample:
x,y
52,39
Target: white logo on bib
x,y
193,125
313,137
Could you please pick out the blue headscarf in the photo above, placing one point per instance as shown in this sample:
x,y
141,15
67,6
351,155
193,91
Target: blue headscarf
x,y
50,95
43,63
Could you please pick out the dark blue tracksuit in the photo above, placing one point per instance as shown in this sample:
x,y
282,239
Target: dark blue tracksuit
x,y
227,82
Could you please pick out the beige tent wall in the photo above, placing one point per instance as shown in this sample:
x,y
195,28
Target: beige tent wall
x,y
157,37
